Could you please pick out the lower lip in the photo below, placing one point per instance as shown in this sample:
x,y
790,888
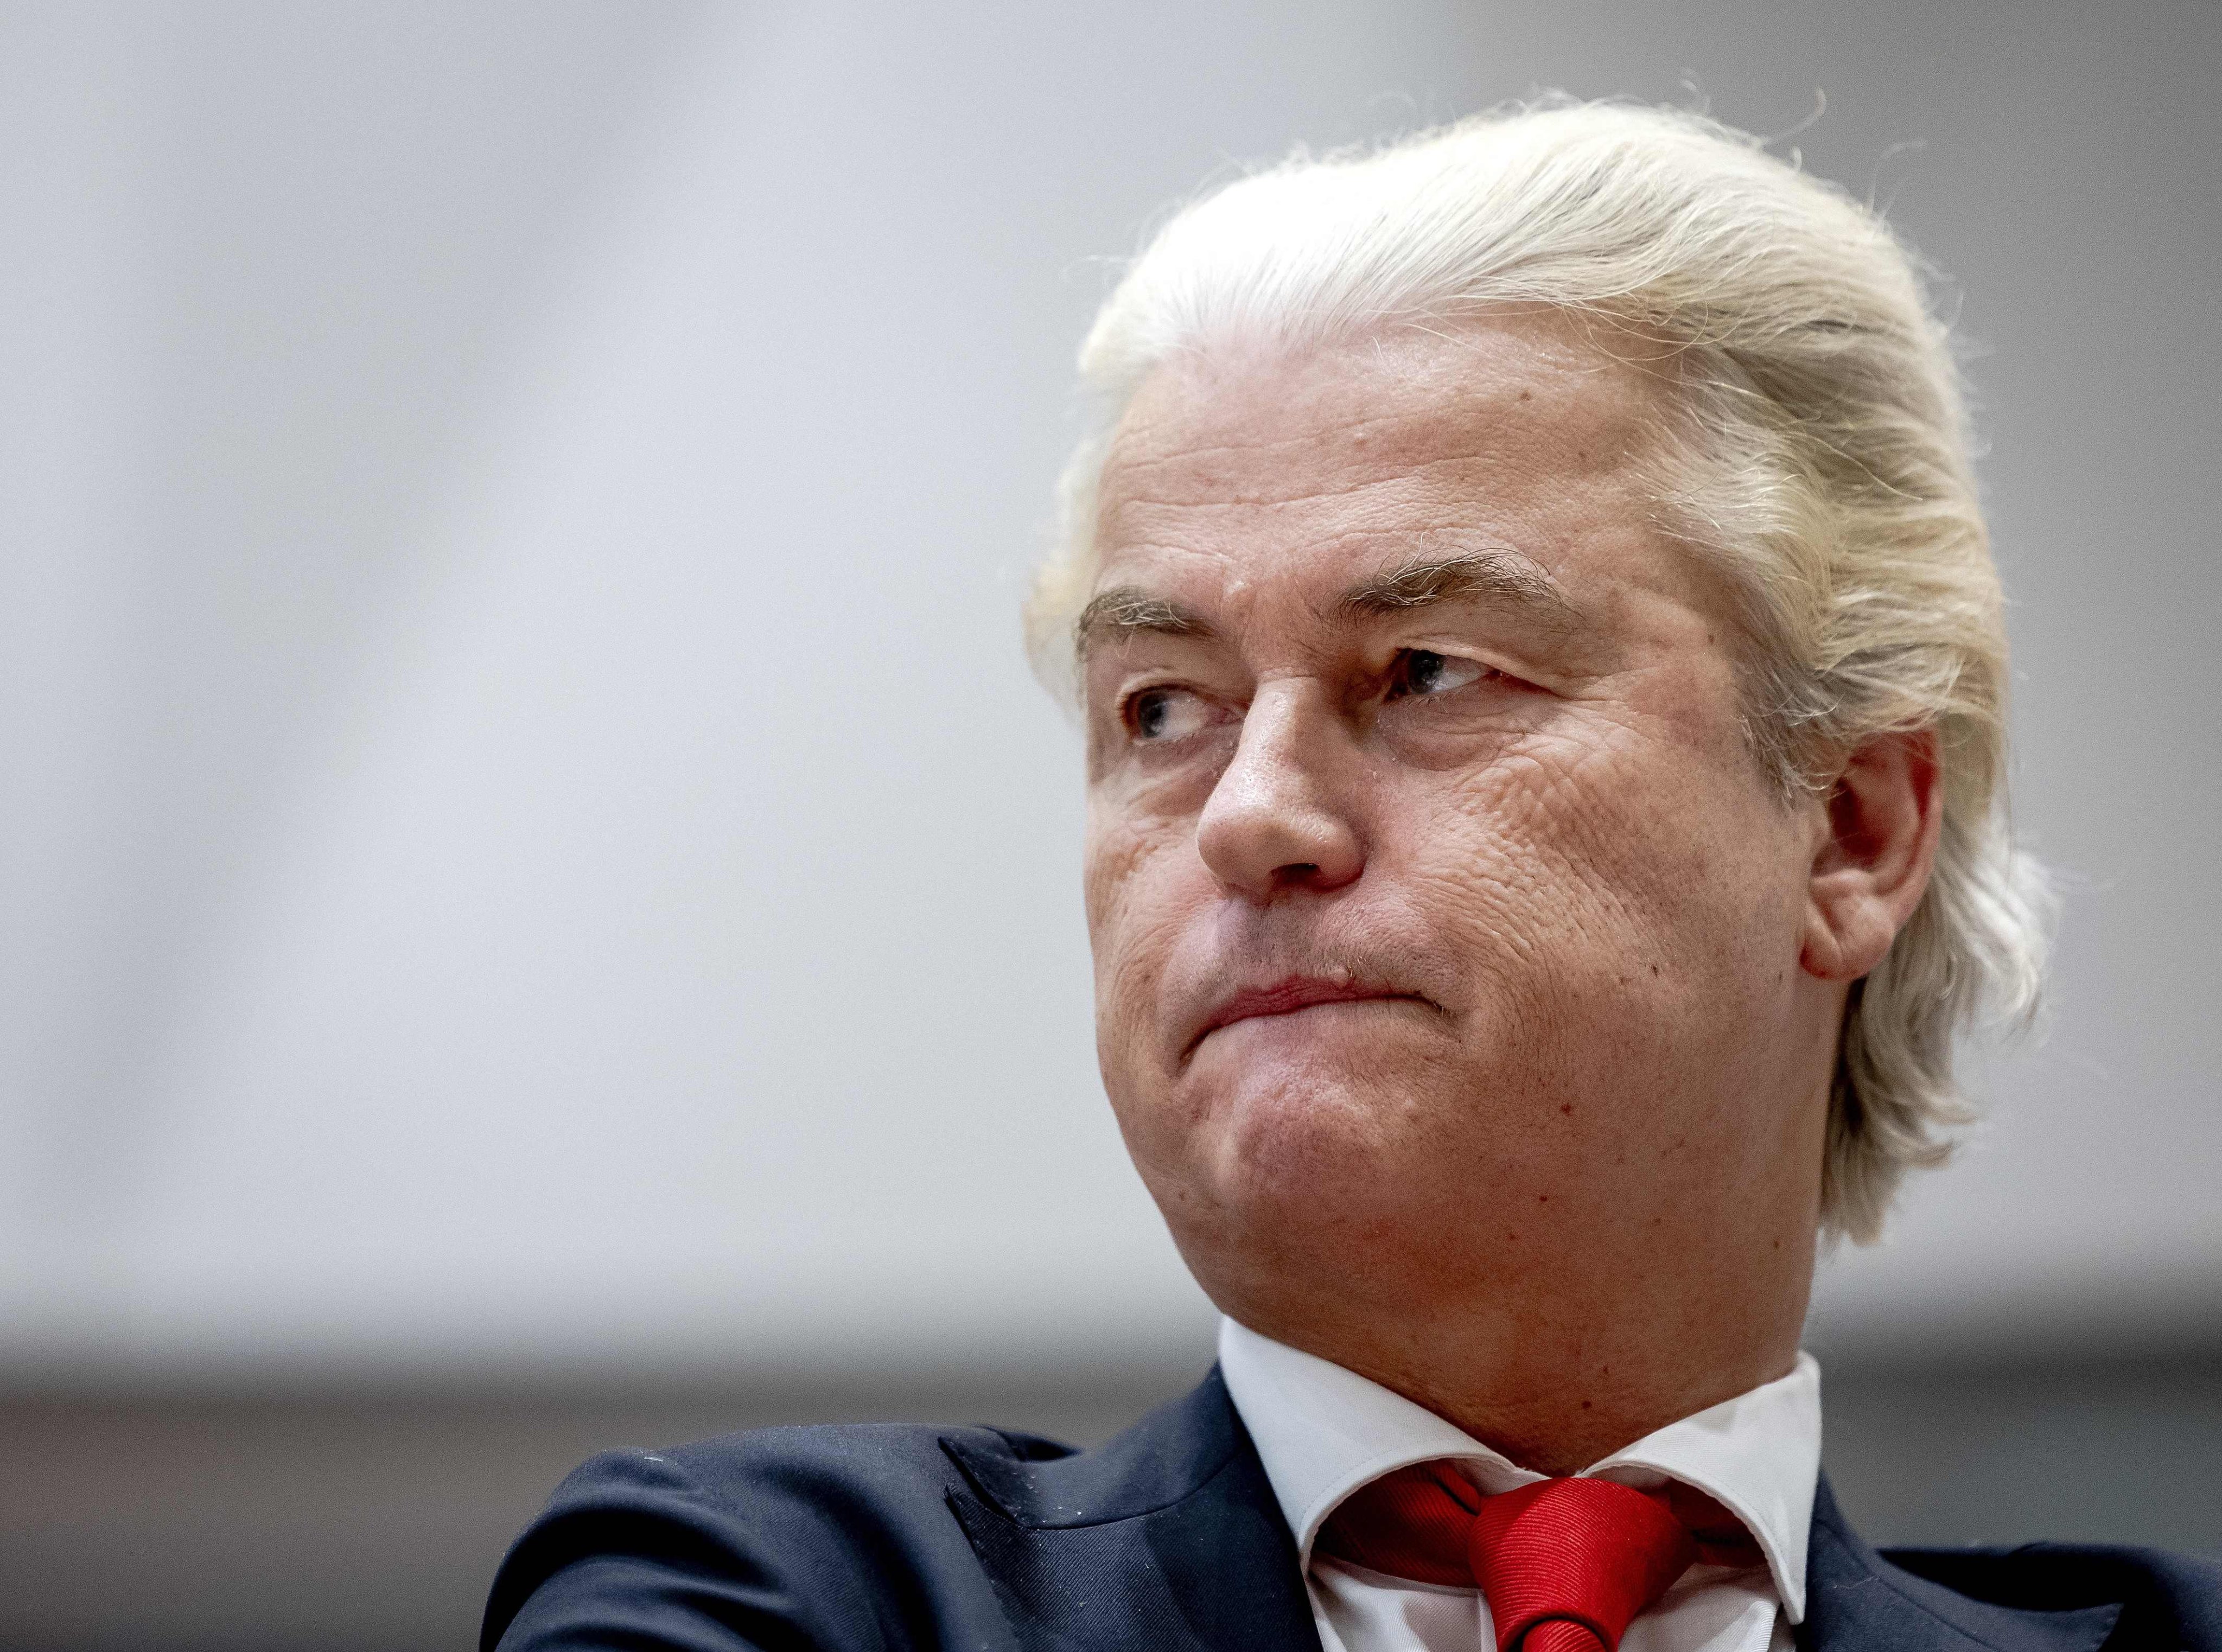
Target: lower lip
x,y
1300,1009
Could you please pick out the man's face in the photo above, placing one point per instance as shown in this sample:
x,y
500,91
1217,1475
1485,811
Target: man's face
x,y
1447,929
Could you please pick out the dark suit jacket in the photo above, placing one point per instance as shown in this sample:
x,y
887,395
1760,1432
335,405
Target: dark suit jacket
x,y
1168,1538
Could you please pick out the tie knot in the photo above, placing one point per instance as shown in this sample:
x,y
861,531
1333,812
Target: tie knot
x,y
1585,1553
1564,1564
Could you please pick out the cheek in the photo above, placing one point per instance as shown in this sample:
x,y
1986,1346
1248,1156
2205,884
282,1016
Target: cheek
x,y
1140,873
1137,819
1610,864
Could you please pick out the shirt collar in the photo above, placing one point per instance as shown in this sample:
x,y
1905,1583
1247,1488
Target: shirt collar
x,y
1322,1432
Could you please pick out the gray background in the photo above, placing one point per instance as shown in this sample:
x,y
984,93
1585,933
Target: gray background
x,y
539,902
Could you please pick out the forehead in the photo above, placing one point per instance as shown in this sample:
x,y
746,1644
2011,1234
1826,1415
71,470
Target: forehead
x,y
1246,467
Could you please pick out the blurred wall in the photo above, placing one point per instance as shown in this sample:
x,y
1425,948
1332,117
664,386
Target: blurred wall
x,y
530,853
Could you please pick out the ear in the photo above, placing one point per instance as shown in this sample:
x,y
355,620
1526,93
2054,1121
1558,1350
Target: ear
x,y
1882,813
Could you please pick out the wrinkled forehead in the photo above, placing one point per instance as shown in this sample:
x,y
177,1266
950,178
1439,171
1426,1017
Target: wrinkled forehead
x,y
1250,462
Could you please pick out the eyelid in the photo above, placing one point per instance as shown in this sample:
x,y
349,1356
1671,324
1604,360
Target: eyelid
x,y
1486,670
1449,648
1127,701
1449,652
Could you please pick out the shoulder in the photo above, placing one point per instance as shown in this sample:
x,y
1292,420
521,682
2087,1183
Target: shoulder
x,y
876,1536
2166,1600
833,1537
2039,1597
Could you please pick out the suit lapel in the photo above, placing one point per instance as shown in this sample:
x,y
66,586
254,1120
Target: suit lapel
x,y
1167,1537
1856,1601
1170,1537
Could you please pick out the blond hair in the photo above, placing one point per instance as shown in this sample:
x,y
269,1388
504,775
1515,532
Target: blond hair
x,y
1821,458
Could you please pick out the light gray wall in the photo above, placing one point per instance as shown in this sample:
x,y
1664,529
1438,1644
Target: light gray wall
x,y
527,838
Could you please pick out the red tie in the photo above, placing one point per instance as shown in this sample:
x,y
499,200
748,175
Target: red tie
x,y
1564,1564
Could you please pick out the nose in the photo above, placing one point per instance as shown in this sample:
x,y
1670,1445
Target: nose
x,y
1278,820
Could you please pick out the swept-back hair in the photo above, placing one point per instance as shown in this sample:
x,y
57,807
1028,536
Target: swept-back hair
x,y
1817,454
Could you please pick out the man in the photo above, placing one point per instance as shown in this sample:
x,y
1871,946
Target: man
x,y
1543,680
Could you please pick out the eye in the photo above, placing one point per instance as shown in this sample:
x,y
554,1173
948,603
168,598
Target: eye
x,y
1161,716
1422,674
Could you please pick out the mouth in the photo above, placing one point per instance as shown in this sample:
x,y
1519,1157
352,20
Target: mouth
x,y
1298,992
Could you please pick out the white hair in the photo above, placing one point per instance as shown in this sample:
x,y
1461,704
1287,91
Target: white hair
x,y
1819,457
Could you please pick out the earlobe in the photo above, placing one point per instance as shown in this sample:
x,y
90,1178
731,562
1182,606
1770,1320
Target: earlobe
x,y
1881,819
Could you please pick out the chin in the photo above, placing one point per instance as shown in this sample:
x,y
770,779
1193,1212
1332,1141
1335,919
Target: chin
x,y
1309,1143
1321,1190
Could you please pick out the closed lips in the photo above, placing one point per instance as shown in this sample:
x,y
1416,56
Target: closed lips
x,y
1296,992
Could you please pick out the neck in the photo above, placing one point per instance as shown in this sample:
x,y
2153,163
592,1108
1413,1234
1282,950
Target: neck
x,y
1553,1388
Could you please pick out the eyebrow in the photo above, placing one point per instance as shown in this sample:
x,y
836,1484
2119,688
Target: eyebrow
x,y
1503,578
1129,611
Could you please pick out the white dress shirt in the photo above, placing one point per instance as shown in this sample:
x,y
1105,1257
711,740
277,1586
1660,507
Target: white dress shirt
x,y
1322,1432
